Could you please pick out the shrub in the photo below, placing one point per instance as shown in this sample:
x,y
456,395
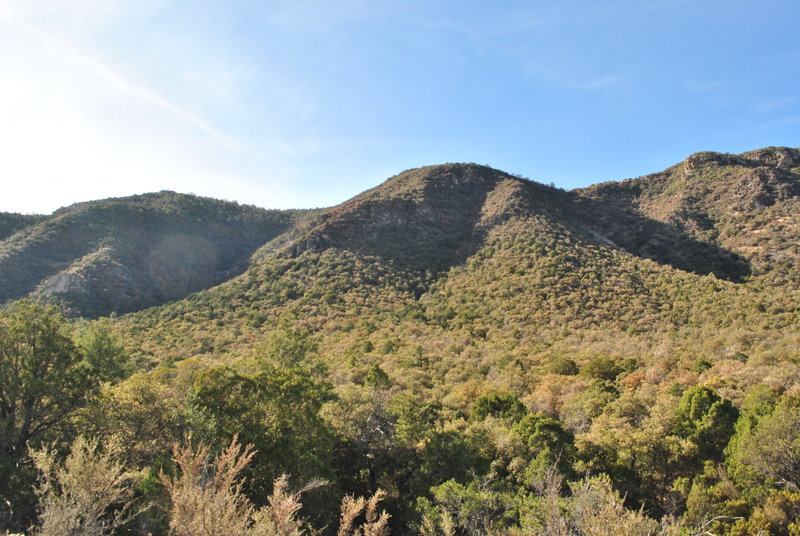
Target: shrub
x,y
89,494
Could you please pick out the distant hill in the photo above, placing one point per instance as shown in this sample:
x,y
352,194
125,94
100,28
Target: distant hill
x,y
121,255
720,213
10,222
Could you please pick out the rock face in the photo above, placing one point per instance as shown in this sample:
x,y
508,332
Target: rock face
x,y
705,214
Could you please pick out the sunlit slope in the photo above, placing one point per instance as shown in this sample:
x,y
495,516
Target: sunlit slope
x,y
465,268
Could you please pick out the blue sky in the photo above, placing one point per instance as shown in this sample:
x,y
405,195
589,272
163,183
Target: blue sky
x,y
306,103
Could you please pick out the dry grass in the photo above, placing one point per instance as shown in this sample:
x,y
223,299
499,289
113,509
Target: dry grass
x,y
374,524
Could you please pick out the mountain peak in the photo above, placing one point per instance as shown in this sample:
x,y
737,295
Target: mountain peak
x,y
707,214
424,218
426,180
778,157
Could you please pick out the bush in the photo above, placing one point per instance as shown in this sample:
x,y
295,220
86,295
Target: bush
x,y
563,366
602,368
89,494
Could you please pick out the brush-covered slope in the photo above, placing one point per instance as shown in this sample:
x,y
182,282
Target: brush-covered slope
x,y
429,218
712,213
11,222
478,329
120,255
464,260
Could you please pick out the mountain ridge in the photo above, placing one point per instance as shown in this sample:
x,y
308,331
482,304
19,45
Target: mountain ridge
x,y
702,215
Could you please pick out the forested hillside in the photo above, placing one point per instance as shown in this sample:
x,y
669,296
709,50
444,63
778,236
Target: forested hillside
x,y
121,255
487,354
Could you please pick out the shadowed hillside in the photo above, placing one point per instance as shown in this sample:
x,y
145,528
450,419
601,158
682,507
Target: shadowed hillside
x,y
125,254
712,213
10,223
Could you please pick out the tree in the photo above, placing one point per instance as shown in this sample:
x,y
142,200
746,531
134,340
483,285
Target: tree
x,y
88,494
772,449
503,406
103,352
377,378
602,368
275,410
44,379
549,443
706,419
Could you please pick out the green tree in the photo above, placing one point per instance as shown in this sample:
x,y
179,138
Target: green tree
x,y
760,402
706,419
103,352
564,366
470,509
548,441
377,378
276,411
772,449
44,379
503,406
602,368
288,345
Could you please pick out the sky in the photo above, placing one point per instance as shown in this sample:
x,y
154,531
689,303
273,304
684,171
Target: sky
x,y
301,103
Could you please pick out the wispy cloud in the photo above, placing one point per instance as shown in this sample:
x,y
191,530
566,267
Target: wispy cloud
x,y
68,53
774,105
601,82
564,74
702,86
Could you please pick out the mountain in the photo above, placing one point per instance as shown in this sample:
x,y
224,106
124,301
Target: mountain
x,y
468,253
493,353
121,255
454,285
746,205
10,223
733,216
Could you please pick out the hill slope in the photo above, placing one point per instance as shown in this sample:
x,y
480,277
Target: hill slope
x,y
120,255
463,252
469,341
747,205
728,215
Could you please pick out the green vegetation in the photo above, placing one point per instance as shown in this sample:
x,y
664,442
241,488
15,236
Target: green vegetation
x,y
482,354
121,255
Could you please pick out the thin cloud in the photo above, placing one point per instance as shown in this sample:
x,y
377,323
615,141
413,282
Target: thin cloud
x,y
774,105
601,82
565,75
68,53
701,86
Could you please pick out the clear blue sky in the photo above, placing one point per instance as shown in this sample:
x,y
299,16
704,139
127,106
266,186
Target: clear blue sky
x,y
306,103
